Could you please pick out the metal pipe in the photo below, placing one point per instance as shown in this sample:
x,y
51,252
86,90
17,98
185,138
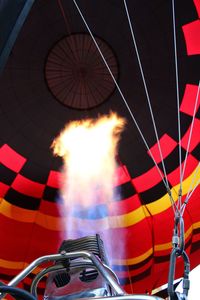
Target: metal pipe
x,y
57,257
33,265
39,276
126,297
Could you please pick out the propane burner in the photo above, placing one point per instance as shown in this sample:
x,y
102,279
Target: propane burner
x,y
78,277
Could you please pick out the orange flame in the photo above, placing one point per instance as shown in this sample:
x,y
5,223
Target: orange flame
x,y
88,148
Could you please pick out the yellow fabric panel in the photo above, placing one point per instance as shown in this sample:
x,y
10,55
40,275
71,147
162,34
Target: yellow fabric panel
x,y
120,221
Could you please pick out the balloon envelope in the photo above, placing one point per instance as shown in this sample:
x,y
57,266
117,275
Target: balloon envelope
x,y
54,74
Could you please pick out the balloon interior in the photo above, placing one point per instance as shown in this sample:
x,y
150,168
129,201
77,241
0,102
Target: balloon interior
x,y
81,269
99,149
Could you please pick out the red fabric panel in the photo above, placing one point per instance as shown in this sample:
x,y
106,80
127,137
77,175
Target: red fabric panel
x,y
28,187
197,4
195,137
160,274
15,243
167,145
189,99
8,272
54,179
142,286
3,189
44,242
193,206
11,159
122,175
163,224
25,242
147,180
194,258
51,208
174,176
196,238
192,37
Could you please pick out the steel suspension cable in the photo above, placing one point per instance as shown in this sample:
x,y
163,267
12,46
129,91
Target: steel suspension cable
x,y
126,104
190,190
146,90
191,130
178,100
191,193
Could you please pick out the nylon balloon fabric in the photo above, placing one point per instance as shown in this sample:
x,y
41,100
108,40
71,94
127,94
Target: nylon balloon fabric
x,y
35,105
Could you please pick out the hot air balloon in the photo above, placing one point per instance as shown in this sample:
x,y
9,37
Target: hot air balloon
x,y
76,60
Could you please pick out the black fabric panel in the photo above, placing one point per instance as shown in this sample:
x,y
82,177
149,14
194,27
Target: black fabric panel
x,y
196,152
7,176
172,160
198,112
161,259
140,276
6,277
35,173
21,200
50,194
195,246
124,191
196,231
153,193
185,124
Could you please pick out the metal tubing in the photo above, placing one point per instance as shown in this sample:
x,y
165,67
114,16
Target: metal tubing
x,y
15,31
59,267
57,257
16,293
33,265
174,254
171,273
126,297
39,276
182,231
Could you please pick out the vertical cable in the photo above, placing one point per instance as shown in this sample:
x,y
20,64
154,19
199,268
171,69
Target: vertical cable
x,y
190,191
118,88
126,103
178,100
146,91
